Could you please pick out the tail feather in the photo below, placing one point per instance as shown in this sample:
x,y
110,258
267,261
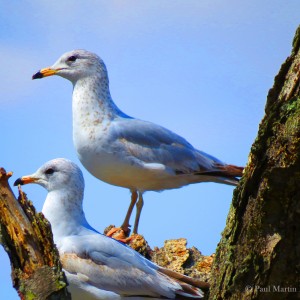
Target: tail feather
x,y
188,293
227,173
230,171
189,280
191,287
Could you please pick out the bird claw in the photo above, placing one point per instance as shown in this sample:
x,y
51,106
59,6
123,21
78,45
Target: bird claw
x,y
119,234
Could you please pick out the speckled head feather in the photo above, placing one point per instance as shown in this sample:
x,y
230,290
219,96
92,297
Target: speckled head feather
x,y
78,64
58,174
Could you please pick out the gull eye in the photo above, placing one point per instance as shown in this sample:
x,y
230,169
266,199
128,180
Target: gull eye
x,y
72,58
49,171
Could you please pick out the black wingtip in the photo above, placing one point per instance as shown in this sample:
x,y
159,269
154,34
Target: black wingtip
x,y
18,181
37,75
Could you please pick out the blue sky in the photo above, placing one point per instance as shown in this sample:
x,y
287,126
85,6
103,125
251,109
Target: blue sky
x,y
199,68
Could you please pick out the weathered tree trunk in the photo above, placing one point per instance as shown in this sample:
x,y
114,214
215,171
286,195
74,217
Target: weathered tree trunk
x,y
258,256
26,236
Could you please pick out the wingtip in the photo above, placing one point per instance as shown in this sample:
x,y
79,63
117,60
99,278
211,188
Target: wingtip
x,y
191,287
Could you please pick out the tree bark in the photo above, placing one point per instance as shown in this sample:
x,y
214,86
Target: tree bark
x,y
27,238
258,256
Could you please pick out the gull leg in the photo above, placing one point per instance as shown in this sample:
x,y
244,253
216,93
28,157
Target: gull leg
x,y
139,206
125,226
120,233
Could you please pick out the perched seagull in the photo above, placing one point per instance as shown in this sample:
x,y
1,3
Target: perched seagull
x,y
97,266
125,151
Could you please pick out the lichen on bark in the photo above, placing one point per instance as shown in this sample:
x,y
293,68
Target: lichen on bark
x,y
260,246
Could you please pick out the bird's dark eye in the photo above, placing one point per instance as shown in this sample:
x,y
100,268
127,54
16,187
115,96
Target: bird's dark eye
x,y
72,58
49,171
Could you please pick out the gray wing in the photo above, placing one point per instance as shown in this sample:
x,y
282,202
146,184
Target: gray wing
x,y
106,264
145,142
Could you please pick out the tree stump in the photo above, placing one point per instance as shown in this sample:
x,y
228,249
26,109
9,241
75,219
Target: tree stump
x,y
27,238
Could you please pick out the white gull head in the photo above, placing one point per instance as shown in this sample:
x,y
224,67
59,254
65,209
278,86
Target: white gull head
x,y
75,65
59,174
63,206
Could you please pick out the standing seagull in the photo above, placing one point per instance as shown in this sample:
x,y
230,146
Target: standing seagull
x,y
97,266
125,151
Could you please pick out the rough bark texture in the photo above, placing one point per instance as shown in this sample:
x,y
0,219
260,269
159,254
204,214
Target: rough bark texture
x,y
258,256
176,256
26,236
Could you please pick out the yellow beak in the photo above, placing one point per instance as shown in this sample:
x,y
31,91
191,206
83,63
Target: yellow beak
x,y
25,180
44,73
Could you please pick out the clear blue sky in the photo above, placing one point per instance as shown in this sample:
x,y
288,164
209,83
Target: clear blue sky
x,y
201,68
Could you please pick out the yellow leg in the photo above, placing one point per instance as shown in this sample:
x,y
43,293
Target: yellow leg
x,y
139,206
125,226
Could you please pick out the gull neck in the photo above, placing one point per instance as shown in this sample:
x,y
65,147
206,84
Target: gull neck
x,y
63,209
92,102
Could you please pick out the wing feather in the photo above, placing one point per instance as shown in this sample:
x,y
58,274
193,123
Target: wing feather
x,y
108,265
150,143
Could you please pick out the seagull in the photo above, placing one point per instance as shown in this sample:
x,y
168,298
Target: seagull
x,y
97,266
125,151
